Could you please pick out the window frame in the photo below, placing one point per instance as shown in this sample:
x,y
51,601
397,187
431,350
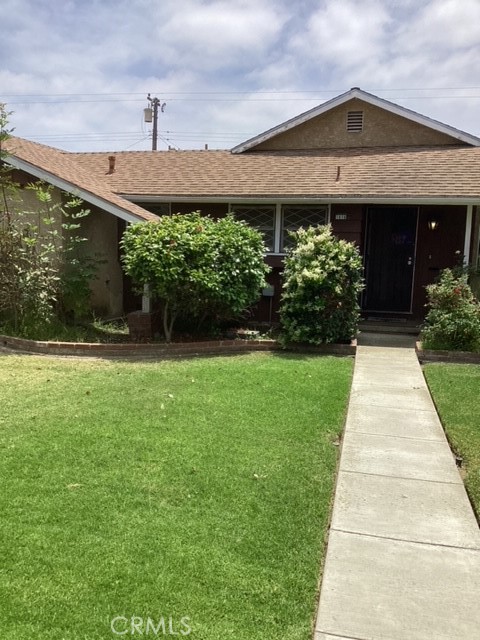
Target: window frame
x,y
233,208
284,230
278,218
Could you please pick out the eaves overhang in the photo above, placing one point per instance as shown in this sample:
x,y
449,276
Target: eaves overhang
x,y
75,190
324,198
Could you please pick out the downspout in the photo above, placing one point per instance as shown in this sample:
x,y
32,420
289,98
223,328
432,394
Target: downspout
x,y
468,236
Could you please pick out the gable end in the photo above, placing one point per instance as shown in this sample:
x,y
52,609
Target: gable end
x,y
383,124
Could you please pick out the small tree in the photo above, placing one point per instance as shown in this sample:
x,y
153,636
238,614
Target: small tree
x,y
322,282
196,265
453,319
43,271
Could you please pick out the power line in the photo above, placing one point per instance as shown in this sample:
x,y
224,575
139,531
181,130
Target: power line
x,y
137,142
106,133
133,134
297,91
215,137
250,96
137,133
51,102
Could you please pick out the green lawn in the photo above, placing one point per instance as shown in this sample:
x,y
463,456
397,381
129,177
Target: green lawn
x,y
197,489
456,391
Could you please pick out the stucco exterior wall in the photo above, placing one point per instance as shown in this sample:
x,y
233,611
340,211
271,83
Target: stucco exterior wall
x,y
380,129
101,230
24,202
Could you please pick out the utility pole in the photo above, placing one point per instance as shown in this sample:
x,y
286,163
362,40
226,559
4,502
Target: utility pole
x,y
151,113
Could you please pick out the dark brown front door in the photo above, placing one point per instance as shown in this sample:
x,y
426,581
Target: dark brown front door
x,y
390,258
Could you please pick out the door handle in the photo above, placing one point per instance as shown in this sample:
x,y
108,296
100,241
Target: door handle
x,y
410,262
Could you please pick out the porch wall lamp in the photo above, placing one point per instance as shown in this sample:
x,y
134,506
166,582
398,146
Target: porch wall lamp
x,y
433,223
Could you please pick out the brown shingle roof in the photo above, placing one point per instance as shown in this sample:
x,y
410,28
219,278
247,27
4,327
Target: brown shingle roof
x,y
410,172
64,166
373,173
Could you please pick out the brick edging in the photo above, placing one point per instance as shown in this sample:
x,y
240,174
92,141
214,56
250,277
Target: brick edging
x,y
455,357
178,349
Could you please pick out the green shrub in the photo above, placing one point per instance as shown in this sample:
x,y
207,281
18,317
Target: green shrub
x,y
322,282
44,274
196,265
453,320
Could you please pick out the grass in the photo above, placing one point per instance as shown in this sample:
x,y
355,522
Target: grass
x,y
96,330
455,390
199,488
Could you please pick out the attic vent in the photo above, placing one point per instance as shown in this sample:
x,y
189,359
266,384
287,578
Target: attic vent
x,y
354,121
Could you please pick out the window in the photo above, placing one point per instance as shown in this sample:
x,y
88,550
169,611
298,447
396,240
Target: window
x,y
275,221
355,121
260,217
294,217
158,208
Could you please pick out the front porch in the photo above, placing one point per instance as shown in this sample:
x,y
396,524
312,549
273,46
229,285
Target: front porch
x,y
405,246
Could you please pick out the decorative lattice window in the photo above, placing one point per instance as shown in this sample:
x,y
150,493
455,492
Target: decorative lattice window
x,y
355,121
159,208
294,217
260,217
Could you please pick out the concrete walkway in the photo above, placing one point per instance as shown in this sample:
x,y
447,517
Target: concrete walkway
x,y
403,559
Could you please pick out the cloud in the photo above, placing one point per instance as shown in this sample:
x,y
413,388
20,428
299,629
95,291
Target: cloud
x,y
221,34
441,25
209,59
344,34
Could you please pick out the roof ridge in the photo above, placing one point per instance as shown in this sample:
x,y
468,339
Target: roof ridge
x,y
147,151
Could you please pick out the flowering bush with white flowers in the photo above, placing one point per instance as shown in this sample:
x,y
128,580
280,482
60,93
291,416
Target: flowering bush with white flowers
x,y
322,283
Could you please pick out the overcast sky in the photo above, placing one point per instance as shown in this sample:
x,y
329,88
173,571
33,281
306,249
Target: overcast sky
x,y
76,73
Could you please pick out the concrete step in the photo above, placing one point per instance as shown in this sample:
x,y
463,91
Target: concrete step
x,y
391,326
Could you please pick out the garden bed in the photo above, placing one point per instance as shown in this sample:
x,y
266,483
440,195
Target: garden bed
x,y
164,350
437,355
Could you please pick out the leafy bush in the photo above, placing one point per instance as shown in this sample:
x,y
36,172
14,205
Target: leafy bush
x,y
453,321
196,265
322,282
44,275
43,272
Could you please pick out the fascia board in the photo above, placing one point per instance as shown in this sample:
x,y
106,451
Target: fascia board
x,y
293,122
418,118
75,190
328,199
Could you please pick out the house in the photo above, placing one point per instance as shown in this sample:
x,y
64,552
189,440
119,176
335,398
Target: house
x,y
402,186
109,213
